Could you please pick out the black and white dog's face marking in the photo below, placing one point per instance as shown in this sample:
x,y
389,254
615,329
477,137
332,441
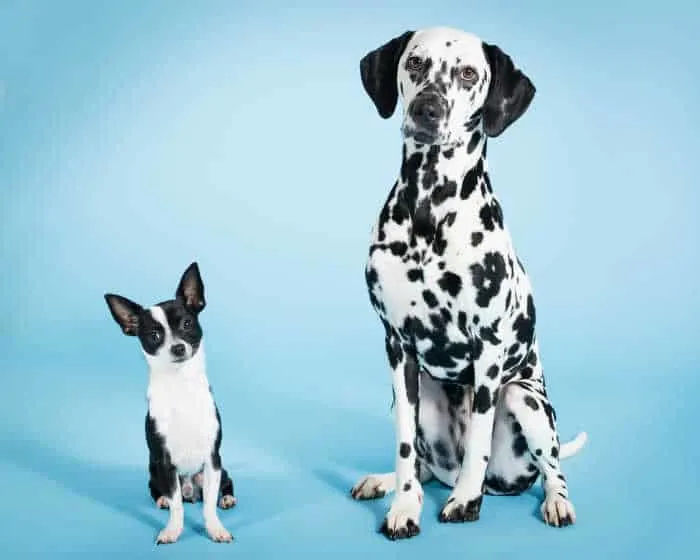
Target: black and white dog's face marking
x,y
453,86
169,332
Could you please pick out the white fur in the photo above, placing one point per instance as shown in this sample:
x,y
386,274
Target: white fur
x,y
180,402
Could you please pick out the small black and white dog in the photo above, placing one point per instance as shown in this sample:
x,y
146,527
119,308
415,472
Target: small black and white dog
x,y
183,426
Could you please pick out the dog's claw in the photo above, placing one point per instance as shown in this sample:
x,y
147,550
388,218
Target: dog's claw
x,y
405,532
558,512
454,512
370,487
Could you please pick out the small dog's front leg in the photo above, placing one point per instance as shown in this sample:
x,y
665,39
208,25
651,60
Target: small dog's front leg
x,y
210,494
173,529
403,518
464,503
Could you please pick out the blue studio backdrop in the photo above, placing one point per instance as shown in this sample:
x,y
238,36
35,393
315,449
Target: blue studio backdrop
x,y
136,137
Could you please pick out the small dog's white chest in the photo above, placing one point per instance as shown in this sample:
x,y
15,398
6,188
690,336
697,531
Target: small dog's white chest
x,y
185,416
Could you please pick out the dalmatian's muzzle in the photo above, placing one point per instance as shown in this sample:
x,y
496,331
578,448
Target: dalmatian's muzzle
x,y
426,111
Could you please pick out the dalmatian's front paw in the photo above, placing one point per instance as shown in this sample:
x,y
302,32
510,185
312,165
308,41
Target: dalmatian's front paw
x,y
558,511
458,511
402,520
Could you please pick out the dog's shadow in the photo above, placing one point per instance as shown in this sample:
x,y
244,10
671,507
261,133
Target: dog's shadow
x,y
341,482
122,489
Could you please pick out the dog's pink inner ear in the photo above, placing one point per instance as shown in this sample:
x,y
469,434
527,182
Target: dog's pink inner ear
x,y
192,299
131,325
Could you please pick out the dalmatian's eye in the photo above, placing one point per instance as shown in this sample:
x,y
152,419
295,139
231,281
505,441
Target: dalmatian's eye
x,y
414,63
468,74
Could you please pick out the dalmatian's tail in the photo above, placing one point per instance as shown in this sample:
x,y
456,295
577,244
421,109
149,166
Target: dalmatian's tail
x,y
574,446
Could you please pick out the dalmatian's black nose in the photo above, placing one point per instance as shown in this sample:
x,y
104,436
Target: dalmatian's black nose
x,y
426,110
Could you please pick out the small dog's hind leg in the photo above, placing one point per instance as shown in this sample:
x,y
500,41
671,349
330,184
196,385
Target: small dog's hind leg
x,y
227,498
155,487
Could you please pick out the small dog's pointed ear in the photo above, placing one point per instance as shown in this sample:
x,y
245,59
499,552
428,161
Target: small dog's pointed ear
x,y
379,69
509,95
191,289
125,313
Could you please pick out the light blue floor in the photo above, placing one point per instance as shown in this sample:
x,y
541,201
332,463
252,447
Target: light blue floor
x,y
136,137
78,484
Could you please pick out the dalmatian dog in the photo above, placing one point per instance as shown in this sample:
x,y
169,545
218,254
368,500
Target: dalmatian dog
x,y
470,404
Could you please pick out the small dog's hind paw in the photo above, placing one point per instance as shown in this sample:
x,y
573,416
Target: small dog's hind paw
x,y
162,503
227,502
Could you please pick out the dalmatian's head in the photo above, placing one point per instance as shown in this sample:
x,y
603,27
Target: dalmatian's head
x,y
451,84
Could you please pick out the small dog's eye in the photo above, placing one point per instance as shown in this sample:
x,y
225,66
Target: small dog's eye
x,y
155,336
187,323
468,74
414,63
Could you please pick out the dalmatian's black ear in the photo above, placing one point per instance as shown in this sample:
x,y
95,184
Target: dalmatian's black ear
x,y
379,69
510,92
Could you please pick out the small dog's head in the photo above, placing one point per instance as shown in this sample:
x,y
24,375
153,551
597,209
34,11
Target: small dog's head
x,y
169,332
451,84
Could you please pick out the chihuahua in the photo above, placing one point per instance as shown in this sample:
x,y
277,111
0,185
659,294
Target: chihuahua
x,y
183,425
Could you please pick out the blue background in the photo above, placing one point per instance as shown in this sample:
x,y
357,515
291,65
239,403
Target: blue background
x,y
136,137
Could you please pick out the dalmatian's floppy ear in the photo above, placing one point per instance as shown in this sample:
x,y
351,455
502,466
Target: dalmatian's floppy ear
x,y
510,92
379,69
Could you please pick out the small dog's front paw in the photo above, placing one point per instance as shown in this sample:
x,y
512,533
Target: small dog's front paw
x,y
371,487
218,533
558,511
162,503
456,510
227,502
402,520
169,535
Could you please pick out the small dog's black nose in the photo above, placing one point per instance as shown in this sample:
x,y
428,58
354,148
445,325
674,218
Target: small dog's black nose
x,y
427,109
178,350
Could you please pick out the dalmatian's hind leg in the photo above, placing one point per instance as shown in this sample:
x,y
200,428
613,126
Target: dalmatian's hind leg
x,y
527,401
375,486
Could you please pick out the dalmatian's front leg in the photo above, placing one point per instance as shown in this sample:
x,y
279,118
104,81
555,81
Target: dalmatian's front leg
x,y
464,504
403,518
